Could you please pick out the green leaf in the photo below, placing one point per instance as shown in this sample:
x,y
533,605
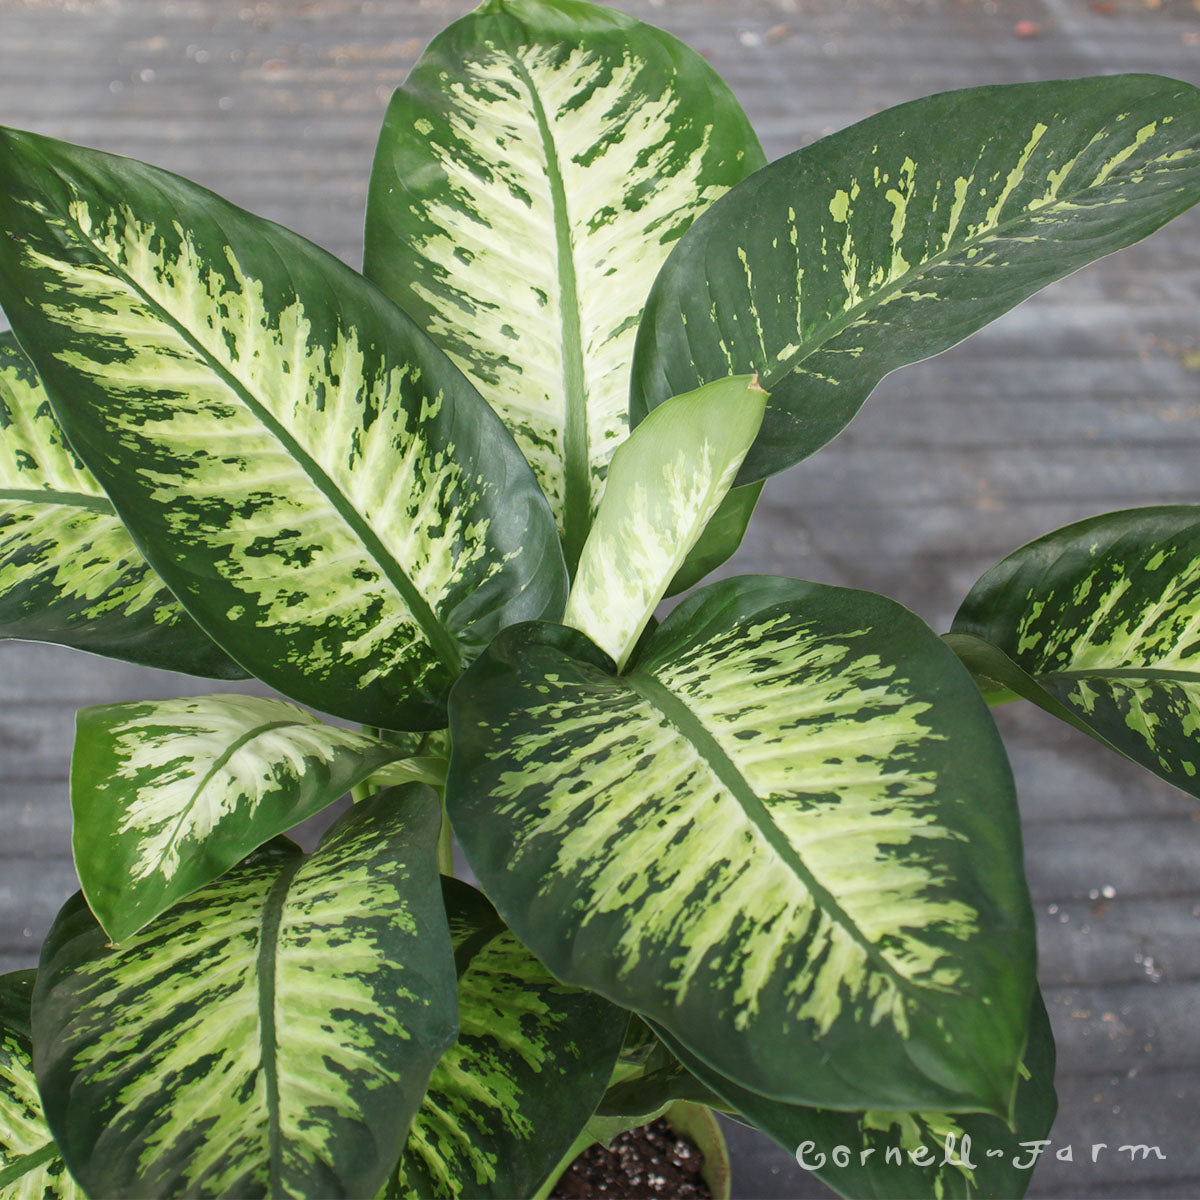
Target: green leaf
x,y
530,179
896,238
30,1165
958,1156
69,573
722,537
323,491
273,1034
664,486
1098,624
787,835
169,794
531,1061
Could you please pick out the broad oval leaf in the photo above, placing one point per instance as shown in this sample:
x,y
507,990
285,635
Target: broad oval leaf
x,y
531,1061
787,835
896,238
913,1155
322,489
1099,624
665,485
168,794
531,177
272,1034
30,1165
69,572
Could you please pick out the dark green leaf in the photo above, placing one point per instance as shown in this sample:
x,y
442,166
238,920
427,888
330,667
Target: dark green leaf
x,y
1099,624
958,1156
892,240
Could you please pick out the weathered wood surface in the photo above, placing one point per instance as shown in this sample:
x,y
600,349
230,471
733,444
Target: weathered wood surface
x,y
1079,402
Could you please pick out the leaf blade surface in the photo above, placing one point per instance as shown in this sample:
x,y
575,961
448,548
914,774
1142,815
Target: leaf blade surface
x,y
69,572
169,794
324,492
532,1058
273,1033
531,176
894,239
761,838
1096,623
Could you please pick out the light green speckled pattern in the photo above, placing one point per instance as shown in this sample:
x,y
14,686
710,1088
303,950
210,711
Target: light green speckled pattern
x,y
787,834
69,572
664,486
1103,617
531,177
531,1061
323,490
891,240
168,794
30,1165
216,1053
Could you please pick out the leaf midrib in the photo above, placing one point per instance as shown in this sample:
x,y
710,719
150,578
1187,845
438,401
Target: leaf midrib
x,y
25,1163
99,504
577,497
771,377
440,641
217,764
1123,673
690,727
272,916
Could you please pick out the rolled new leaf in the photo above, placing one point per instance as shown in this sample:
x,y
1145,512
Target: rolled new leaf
x,y
169,794
665,485
531,176
322,489
69,572
507,1100
787,835
30,1164
1098,624
878,1155
271,1035
896,238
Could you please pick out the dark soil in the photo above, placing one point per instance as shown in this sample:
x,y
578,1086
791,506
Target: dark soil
x,y
652,1160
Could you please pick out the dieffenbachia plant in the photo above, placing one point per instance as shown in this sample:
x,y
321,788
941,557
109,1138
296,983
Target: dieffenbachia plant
x,y
763,857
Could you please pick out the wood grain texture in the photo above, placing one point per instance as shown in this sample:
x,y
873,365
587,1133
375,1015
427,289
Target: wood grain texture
x,y
1078,402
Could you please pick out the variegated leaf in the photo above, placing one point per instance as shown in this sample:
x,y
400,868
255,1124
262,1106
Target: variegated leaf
x,y
787,835
31,1167
531,176
1099,623
69,573
665,485
322,489
169,794
271,1035
878,1155
892,240
531,1061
